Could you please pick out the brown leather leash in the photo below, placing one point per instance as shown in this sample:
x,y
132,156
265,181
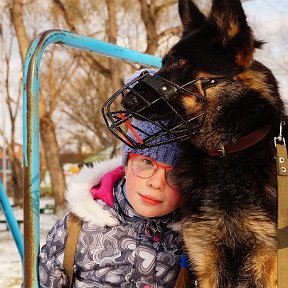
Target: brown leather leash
x,y
74,225
282,223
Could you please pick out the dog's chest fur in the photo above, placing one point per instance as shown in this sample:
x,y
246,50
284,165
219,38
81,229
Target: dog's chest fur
x,y
229,208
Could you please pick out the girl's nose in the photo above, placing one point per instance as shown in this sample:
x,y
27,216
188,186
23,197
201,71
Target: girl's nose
x,y
158,180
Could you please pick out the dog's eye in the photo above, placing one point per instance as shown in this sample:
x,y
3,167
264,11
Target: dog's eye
x,y
207,83
182,62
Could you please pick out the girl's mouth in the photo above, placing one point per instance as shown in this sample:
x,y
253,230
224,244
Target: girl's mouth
x,y
149,200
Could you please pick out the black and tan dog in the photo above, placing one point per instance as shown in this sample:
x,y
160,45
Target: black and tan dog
x,y
232,106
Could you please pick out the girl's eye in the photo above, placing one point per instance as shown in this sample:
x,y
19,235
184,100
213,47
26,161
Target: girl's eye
x,y
182,62
171,174
148,162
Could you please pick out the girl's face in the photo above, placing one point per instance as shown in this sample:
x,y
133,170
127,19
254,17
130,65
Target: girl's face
x,y
151,197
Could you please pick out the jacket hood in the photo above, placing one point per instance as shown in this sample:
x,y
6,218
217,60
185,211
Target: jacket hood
x,y
79,198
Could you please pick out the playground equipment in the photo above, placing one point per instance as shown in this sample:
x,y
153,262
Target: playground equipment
x,y
31,128
11,221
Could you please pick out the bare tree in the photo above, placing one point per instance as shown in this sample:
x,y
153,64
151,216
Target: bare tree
x,y
111,75
47,128
101,76
13,105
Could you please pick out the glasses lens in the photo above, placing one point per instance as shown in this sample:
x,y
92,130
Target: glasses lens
x,y
170,178
143,167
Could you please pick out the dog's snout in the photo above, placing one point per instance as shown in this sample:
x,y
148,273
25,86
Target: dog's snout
x,y
129,102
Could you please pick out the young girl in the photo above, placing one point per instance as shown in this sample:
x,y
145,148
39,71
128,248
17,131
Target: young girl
x,y
128,211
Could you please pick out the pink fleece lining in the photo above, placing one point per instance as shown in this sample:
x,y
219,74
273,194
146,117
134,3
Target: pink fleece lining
x,y
104,190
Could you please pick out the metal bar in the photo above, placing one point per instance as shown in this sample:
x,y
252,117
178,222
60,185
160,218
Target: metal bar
x,y
31,128
11,221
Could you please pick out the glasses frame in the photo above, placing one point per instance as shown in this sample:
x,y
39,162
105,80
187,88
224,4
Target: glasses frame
x,y
132,156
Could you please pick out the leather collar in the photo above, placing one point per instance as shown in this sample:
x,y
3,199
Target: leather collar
x,y
243,142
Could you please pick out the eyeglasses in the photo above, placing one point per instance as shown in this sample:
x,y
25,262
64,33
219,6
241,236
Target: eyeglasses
x,y
145,167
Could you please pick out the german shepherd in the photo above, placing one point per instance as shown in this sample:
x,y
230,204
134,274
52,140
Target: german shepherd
x,y
228,176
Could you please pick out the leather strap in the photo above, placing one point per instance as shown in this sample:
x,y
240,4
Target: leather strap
x,y
74,225
282,223
242,143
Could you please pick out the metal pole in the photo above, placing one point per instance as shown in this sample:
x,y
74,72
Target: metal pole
x,y
11,221
31,128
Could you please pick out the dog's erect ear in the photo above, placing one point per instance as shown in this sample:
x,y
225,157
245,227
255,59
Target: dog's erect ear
x,y
233,30
190,15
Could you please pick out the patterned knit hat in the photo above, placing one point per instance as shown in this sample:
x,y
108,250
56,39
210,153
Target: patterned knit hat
x,y
167,153
138,73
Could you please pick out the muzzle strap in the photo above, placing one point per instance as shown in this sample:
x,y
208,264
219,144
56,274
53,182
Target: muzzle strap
x,y
162,87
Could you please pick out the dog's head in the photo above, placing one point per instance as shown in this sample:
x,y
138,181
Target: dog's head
x,y
213,80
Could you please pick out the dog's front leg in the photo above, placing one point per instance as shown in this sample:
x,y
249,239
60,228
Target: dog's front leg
x,y
262,266
202,254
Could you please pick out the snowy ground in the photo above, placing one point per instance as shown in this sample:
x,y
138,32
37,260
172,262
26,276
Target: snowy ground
x,y
10,261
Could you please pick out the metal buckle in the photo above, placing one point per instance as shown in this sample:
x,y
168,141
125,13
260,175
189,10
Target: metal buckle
x,y
280,138
222,151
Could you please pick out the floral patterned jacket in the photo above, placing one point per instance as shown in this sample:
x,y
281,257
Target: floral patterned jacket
x,y
116,246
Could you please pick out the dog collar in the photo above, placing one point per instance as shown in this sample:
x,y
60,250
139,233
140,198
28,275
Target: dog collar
x,y
243,143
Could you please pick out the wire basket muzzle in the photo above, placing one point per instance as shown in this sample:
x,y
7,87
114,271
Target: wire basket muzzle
x,y
149,98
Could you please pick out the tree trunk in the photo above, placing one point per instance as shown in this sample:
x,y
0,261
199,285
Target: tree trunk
x,y
53,160
112,38
43,165
17,176
16,12
148,16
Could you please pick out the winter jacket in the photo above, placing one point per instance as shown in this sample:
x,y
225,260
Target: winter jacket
x,y
116,247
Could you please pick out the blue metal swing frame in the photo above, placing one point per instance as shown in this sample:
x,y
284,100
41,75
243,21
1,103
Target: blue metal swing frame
x,y
31,128
11,221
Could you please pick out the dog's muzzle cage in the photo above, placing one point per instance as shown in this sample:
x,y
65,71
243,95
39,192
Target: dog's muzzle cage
x,y
118,118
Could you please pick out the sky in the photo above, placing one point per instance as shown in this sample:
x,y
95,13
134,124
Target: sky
x,y
270,22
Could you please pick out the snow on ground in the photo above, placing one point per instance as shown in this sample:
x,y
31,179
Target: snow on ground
x,y
10,261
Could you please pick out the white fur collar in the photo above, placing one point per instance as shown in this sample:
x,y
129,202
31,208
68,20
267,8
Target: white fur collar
x,y
79,198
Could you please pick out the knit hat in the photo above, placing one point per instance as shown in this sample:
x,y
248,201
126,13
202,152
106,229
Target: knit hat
x,y
167,153
138,73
